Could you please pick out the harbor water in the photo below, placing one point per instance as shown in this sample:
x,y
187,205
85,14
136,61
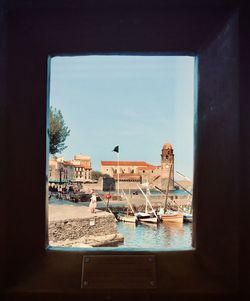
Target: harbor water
x,y
152,236
144,235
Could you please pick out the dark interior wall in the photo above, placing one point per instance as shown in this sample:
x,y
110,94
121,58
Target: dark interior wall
x,y
26,143
36,29
3,59
217,138
244,137
75,27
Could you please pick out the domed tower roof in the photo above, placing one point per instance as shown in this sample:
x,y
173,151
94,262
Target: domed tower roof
x,y
167,146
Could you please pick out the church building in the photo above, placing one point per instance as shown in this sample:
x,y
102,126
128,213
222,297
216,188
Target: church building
x,y
132,172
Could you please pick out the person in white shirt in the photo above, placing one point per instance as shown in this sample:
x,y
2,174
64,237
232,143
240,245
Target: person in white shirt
x,y
92,204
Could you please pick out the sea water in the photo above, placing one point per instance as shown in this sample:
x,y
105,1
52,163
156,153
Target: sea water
x,y
143,235
153,236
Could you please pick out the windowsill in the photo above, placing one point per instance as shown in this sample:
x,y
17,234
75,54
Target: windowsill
x,y
113,250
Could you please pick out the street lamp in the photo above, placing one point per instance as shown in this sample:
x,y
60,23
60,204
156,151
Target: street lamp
x,y
61,171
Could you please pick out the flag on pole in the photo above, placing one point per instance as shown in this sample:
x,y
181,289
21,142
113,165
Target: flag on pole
x,y
116,149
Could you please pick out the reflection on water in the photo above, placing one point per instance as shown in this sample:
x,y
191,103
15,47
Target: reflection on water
x,y
162,236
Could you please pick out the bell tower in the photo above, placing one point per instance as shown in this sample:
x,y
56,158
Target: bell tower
x,y
167,166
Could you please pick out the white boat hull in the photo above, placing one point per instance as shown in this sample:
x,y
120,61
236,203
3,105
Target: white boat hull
x,y
151,220
128,219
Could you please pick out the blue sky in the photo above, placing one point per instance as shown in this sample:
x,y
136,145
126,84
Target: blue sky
x,y
138,102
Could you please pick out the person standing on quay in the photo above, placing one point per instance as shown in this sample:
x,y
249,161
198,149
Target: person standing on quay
x,y
92,204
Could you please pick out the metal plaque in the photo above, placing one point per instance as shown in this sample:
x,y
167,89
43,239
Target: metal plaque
x,y
118,272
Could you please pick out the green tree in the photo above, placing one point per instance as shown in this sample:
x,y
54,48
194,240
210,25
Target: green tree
x,y
58,132
96,175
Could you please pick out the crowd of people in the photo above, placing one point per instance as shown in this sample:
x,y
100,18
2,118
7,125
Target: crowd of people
x,y
63,189
70,189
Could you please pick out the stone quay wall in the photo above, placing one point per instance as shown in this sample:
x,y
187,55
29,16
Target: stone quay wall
x,y
160,199
71,225
77,228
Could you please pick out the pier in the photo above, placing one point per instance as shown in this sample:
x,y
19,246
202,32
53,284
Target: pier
x,y
71,226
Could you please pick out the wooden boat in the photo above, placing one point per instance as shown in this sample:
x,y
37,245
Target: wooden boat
x,y
169,215
172,217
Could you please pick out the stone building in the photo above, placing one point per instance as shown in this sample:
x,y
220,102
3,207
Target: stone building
x,y
59,172
77,170
141,172
82,168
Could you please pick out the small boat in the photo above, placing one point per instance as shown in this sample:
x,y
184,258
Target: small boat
x,y
149,220
147,217
187,217
127,218
173,217
144,217
169,215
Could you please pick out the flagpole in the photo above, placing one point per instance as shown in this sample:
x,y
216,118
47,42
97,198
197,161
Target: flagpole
x,y
118,161
116,149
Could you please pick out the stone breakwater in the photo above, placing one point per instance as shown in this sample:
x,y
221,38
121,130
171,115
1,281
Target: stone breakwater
x,y
74,226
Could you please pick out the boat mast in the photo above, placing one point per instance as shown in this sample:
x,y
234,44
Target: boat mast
x,y
147,189
147,200
131,207
163,193
169,177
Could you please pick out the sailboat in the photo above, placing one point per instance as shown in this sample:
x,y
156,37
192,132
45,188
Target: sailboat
x,y
168,215
147,217
126,217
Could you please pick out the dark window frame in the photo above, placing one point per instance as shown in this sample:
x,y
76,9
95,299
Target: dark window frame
x,y
46,38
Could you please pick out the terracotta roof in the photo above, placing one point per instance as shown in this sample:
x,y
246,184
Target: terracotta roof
x,y
125,163
149,167
127,176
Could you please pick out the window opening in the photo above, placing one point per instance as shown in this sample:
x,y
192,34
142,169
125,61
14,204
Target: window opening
x,y
136,107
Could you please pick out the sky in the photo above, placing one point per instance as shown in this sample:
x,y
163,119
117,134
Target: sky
x,y
136,102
